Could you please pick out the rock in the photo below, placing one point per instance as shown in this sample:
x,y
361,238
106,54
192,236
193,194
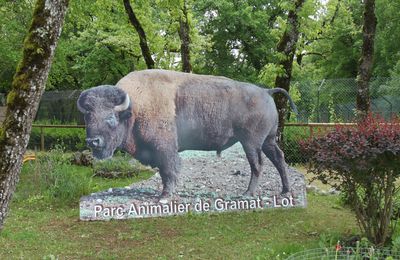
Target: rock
x,y
323,193
312,188
333,191
236,173
84,158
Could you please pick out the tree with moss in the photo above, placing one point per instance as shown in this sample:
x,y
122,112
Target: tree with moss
x,y
27,88
287,48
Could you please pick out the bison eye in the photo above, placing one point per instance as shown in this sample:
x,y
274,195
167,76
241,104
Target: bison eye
x,y
111,121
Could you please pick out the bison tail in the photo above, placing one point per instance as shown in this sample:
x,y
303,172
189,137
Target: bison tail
x,y
284,92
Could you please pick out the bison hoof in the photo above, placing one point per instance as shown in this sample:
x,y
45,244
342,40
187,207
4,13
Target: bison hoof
x,y
163,200
284,191
165,196
248,194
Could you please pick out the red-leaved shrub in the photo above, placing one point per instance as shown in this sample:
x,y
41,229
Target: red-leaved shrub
x,y
363,162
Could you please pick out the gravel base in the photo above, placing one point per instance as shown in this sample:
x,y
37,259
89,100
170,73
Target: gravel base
x,y
229,175
204,178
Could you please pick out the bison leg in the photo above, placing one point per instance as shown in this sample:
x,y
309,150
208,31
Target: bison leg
x,y
275,154
169,164
254,157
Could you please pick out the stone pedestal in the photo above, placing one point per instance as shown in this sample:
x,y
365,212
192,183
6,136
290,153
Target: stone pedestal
x,y
206,184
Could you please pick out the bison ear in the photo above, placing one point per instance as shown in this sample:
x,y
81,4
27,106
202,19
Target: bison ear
x,y
124,115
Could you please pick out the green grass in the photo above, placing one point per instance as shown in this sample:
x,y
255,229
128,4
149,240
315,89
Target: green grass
x,y
36,229
118,167
51,179
35,233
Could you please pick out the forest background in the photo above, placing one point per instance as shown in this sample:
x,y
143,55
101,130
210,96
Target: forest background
x,y
237,39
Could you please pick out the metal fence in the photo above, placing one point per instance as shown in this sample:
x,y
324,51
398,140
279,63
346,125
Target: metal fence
x,y
321,103
334,100
318,101
72,137
59,107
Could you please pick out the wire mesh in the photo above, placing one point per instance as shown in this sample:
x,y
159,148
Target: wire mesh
x,y
320,101
334,100
345,253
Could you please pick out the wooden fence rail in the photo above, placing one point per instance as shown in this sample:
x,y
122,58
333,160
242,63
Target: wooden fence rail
x,y
311,126
51,126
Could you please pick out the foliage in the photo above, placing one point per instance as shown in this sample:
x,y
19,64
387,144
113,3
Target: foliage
x,y
393,85
291,144
332,49
235,39
55,180
72,139
51,180
387,49
15,17
240,33
363,162
120,166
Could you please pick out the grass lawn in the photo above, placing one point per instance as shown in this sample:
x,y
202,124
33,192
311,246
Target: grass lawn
x,y
37,229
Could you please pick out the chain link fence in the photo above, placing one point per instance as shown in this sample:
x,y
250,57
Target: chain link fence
x,y
324,103
59,107
321,101
334,100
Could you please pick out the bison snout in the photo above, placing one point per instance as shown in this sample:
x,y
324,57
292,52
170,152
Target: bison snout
x,y
95,142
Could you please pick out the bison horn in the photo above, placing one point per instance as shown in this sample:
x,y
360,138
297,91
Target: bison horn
x,y
124,105
80,108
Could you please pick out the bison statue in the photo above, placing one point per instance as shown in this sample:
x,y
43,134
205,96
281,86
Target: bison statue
x,y
155,114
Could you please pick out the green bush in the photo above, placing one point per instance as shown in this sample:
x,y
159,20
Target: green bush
x,y
120,166
72,139
291,143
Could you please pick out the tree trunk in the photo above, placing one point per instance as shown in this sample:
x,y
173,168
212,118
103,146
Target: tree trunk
x,y
27,88
366,61
287,48
184,35
142,35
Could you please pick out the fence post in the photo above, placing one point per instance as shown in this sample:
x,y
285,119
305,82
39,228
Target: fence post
x,y
41,139
318,108
311,131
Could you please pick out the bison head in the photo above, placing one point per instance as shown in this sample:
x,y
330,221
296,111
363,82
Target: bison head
x,y
106,110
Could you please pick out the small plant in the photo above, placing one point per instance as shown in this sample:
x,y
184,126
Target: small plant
x,y
56,180
363,162
117,167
